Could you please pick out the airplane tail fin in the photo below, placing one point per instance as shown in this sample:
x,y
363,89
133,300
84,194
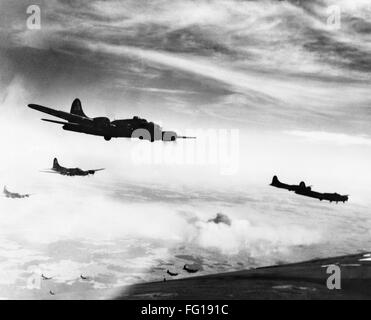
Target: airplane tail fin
x,y
76,108
55,164
275,181
302,184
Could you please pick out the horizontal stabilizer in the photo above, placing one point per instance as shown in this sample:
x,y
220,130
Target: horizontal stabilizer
x,y
54,121
61,114
48,171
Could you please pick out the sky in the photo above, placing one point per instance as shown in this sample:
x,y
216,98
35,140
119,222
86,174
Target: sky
x,y
268,87
268,69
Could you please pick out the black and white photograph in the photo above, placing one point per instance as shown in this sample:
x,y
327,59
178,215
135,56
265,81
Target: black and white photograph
x,y
185,150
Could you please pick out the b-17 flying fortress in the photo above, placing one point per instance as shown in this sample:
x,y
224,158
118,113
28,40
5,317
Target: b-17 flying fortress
x,y
307,191
57,168
136,127
14,195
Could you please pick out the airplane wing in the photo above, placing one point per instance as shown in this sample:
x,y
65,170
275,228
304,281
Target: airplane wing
x,y
61,114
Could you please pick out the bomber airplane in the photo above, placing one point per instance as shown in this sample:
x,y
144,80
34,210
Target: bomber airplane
x,y
57,168
14,195
307,191
136,127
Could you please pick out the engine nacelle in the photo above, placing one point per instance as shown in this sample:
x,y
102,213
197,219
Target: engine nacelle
x,y
169,136
102,122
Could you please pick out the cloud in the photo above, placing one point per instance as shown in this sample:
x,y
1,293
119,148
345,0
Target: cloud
x,y
289,90
254,240
337,138
278,54
14,95
161,90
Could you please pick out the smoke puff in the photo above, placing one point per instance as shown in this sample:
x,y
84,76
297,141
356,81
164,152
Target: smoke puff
x,y
221,218
246,238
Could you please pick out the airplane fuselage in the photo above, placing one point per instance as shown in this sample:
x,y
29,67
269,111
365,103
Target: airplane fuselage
x,y
57,168
332,197
73,171
127,128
